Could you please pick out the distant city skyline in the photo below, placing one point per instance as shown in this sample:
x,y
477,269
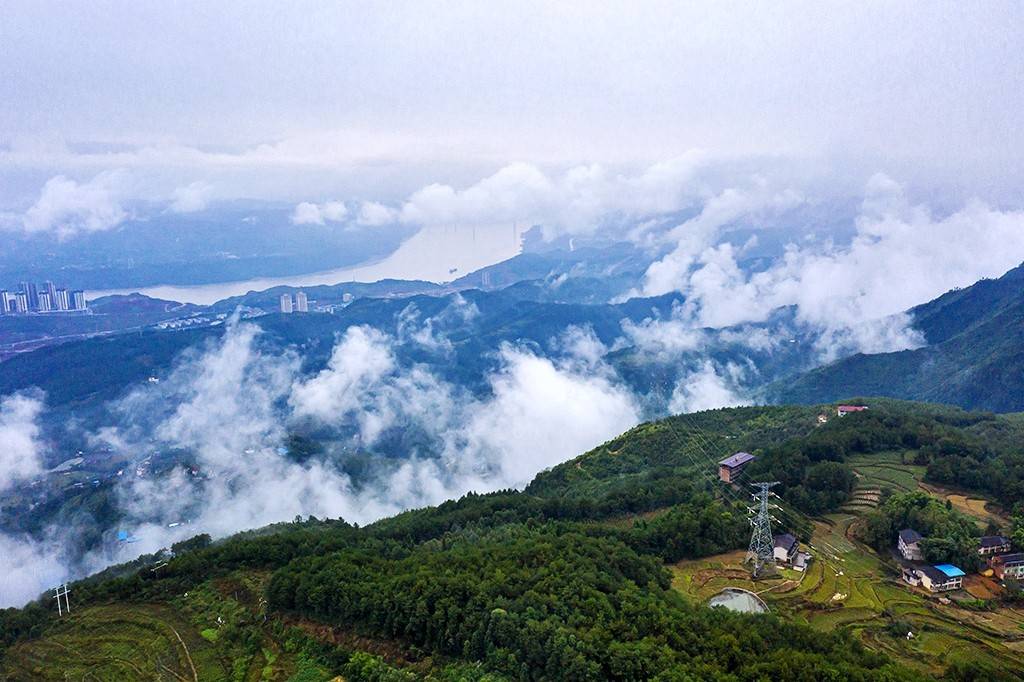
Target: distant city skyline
x,y
30,297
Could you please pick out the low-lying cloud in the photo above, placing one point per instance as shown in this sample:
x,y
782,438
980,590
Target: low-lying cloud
x,y
21,455
307,213
228,408
191,198
67,207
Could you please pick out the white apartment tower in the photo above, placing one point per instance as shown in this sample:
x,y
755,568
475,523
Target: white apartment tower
x,y
286,303
301,302
61,300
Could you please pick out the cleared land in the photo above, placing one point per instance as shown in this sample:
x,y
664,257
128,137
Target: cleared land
x,y
214,633
848,585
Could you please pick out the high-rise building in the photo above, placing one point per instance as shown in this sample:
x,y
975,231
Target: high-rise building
x,y
21,302
301,302
5,306
61,301
78,300
286,303
45,304
31,295
51,289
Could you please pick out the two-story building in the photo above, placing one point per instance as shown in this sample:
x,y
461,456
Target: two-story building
x,y
941,578
1009,566
909,543
989,545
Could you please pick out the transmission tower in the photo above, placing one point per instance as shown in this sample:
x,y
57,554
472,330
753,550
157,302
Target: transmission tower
x,y
62,591
762,544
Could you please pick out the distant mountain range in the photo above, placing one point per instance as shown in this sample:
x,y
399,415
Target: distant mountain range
x,y
974,355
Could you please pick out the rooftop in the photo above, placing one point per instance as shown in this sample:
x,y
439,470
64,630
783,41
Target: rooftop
x,y
739,459
1017,558
950,570
933,573
910,536
785,541
992,541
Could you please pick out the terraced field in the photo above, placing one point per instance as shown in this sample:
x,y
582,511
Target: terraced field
x,y
848,585
117,643
213,633
887,471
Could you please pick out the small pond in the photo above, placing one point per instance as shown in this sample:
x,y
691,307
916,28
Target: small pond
x,y
736,599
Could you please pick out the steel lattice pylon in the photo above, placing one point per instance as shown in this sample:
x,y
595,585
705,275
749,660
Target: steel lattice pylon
x,y
762,543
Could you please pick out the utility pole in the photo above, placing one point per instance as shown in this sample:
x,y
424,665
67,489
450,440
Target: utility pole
x,y
62,591
762,543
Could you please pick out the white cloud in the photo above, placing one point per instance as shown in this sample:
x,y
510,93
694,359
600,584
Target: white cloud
x,y
855,293
68,207
689,239
432,333
664,339
541,416
307,213
576,201
334,211
361,384
21,454
582,345
707,388
28,568
374,214
230,404
191,198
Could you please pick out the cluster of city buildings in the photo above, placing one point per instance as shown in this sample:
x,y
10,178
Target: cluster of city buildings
x,y
300,304
45,298
996,550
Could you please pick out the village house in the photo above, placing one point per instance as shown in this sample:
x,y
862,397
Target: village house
x,y
786,548
1009,566
909,544
993,544
941,578
730,467
911,575
844,410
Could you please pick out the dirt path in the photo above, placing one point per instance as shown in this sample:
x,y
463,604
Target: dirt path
x,y
195,675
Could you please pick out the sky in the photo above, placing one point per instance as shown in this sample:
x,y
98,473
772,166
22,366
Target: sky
x,y
301,101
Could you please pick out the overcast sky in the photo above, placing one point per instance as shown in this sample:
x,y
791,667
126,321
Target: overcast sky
x,y
286,99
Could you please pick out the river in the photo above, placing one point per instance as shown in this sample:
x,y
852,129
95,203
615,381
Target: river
x,y
434,254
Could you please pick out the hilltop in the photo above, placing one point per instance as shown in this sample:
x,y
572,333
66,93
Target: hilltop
x,y
974,355
597,570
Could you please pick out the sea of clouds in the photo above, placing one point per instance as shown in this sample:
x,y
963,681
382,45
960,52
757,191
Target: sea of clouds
x,y
232,404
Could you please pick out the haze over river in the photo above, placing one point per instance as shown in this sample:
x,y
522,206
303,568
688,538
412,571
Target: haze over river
x,y
434,254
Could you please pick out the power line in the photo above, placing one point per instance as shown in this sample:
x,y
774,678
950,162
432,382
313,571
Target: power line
x,y
703,443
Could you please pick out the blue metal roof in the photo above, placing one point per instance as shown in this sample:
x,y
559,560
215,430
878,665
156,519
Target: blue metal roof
x,y
950,570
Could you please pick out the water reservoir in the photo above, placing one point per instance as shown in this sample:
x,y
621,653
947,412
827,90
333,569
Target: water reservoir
x,y
739,600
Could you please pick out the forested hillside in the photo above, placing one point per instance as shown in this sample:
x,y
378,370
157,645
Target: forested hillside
x,y
565,580
974,357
